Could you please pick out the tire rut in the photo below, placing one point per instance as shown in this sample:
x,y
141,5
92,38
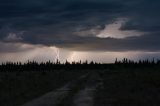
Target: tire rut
x,y
79,92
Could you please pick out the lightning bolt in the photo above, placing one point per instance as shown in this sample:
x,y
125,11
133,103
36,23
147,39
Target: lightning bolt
x,y
57,54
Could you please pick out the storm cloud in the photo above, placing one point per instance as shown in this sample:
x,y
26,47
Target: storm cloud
x,y
75,24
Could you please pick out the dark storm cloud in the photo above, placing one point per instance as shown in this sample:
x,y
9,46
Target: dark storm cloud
x,y
145,43
15,48
144,16
58,22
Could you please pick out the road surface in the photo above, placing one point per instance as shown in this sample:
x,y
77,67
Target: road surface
x,y
79,92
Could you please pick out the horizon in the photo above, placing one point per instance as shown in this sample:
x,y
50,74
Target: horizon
x,y
80,62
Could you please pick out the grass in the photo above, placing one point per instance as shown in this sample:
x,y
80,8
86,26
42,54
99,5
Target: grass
x,y
129,86
20,87
122,85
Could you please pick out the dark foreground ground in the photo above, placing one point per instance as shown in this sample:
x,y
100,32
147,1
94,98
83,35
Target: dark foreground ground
x,y
116,86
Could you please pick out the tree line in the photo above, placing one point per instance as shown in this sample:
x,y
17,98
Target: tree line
x,y
50,66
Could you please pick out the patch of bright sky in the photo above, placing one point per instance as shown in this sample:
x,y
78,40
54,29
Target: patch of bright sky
x,y
113,30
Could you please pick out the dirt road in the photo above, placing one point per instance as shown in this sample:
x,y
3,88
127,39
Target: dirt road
x,y
79,92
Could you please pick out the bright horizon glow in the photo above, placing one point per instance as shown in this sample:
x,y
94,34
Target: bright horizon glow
x,y
41,53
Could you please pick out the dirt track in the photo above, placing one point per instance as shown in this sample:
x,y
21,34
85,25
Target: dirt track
x,y
79,92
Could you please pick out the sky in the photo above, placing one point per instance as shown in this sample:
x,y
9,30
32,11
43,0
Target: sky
x,y
73,30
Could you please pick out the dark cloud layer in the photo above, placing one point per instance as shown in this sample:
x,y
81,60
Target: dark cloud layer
x,y
57,22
